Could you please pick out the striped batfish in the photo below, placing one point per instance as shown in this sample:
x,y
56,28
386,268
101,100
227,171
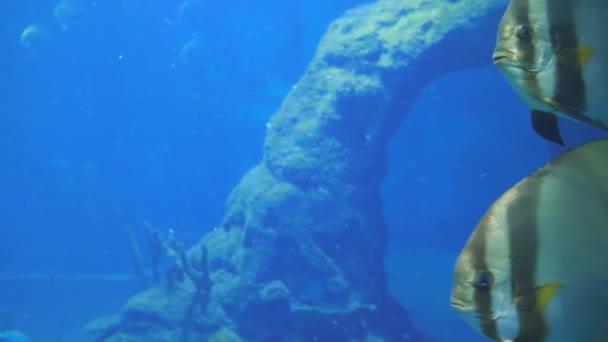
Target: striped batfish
x,y
536,267
554,53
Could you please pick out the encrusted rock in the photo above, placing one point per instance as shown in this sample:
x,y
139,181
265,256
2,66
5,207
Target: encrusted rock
x,y
300,253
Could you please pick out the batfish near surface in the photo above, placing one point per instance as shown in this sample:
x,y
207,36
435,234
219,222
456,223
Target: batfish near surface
x,y
535,268
554,53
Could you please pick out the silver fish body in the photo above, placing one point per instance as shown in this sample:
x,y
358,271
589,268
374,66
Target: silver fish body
x,y
535,267
554,53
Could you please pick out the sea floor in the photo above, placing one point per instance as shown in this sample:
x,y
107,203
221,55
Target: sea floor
x,y
55,308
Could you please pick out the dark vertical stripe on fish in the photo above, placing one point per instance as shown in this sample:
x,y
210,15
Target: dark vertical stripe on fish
x,y
483,300
520,10
569,89
523,241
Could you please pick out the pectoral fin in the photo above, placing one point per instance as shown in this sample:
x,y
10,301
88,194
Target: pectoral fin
x,y
545,294
546,125
576,57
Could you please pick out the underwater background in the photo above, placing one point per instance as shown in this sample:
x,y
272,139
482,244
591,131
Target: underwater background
x,y
120,114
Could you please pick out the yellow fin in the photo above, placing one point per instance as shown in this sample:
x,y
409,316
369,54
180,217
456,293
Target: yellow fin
x,y
545,294
576,57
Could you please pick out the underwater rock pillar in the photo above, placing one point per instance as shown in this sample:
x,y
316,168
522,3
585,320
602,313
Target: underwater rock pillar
x,y
300,253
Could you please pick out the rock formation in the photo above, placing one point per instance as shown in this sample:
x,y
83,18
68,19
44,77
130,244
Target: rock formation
x,y
300,253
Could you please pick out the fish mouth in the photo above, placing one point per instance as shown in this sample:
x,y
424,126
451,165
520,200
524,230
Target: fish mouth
x,y
501,56
459,306
498,58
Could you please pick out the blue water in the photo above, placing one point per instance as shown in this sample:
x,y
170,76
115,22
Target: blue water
x,y
116,113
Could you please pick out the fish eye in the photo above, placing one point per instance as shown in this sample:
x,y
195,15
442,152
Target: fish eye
x,y
483,280
524,32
